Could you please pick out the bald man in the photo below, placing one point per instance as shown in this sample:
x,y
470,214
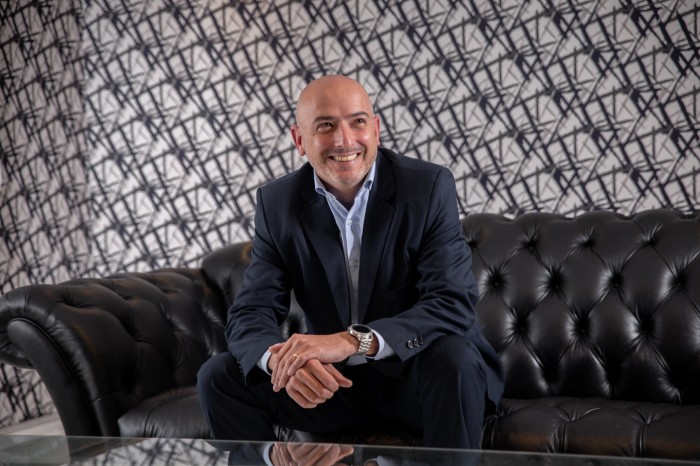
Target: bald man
x,y
371,245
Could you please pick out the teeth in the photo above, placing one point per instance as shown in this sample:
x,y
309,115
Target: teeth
x,y
346,158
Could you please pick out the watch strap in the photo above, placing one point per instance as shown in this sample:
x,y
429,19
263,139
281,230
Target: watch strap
x,y
364,338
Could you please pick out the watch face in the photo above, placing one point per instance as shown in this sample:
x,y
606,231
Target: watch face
x,y
361,328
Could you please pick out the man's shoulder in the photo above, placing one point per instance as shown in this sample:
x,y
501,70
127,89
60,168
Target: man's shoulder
x,y
290,182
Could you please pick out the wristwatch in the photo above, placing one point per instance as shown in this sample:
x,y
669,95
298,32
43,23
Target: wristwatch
x,y
364,335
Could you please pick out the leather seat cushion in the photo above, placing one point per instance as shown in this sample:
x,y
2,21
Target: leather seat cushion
x,y
174,413
595,426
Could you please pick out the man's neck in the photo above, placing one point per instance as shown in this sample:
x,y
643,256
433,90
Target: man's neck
x,y
347,198
345,194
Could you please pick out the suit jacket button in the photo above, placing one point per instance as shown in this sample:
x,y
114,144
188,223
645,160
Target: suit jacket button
x,y
415,342
409,343
420,341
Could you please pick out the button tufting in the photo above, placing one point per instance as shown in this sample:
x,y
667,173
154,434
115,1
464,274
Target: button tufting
x,y
645,328
680,278
531,244
652,240
495,281
615,280
555,280
521,325
588,243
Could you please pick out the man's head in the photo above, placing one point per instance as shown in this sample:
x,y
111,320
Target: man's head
x,y
337,131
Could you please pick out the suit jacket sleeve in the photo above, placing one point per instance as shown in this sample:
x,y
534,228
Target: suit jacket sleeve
x,y
263,303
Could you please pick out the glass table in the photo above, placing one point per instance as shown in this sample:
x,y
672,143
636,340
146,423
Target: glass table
x,y
49,450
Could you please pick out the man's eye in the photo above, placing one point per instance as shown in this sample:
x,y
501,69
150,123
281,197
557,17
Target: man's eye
x,y
325,126
360,121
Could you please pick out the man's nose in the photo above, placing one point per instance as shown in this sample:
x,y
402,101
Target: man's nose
x,y
343,136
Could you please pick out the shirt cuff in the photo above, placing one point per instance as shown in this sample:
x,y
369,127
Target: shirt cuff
x,y
262,362
384,350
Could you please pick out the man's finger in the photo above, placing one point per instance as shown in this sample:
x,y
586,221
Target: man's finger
x,y
303,397
340,379
274,349
299,358
281,377
309,379
321,373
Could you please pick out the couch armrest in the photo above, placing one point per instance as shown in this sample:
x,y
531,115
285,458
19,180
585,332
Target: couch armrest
x,y
101,346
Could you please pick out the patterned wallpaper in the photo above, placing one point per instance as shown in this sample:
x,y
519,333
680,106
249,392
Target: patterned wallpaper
x,y
44,227
534,106
184,110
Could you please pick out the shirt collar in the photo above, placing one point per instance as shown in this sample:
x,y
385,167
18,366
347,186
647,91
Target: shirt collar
x,y
368,183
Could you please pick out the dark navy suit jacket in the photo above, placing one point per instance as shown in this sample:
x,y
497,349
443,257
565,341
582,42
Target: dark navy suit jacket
x,y
415,282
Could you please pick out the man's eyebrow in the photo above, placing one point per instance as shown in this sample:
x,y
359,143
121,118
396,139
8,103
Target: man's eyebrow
x,y
332,118
323,118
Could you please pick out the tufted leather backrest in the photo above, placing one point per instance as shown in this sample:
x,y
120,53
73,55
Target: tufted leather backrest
x,y
224,269
596,306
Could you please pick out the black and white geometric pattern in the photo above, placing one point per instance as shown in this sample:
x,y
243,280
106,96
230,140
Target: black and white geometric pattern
x,y
561,106
44,215
533,106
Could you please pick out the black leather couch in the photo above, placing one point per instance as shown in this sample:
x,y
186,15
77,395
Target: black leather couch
x,y
596,320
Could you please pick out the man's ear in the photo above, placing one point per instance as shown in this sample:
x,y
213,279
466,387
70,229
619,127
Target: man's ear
x,y
296,137
376,127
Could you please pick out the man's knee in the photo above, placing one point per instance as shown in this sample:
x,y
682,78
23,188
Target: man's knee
x,y
217,371
232,409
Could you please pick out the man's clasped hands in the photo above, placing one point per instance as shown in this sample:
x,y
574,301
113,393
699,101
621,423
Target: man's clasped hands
x,y
303,365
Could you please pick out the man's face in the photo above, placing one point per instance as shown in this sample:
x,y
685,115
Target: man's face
x,y
338,132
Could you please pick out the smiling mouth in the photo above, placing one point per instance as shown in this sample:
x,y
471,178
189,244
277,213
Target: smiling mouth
x,y
345,158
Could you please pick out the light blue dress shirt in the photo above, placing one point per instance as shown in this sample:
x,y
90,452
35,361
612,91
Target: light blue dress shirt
x,y
350,225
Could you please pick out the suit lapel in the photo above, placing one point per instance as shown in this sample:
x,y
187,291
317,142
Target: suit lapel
x,y
320,227
378,218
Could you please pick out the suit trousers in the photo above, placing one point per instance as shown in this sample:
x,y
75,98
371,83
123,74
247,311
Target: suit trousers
x,y
441,391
